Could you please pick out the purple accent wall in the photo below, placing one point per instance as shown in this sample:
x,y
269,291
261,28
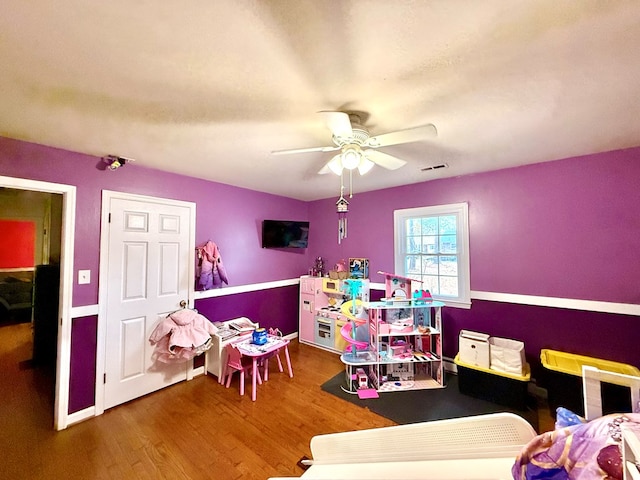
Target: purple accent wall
x,y
230,216
275,307
82,377
594,334
567,228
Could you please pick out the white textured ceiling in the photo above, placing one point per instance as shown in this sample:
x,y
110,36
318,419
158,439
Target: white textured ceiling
x,y
209,88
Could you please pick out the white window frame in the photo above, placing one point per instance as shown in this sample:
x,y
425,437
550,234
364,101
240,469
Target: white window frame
x,y
461,211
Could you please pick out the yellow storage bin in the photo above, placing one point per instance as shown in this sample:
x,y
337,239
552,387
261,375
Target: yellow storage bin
x,y
572,364
563,380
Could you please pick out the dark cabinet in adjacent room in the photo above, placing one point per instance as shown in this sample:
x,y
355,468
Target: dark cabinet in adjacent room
x,y
46,292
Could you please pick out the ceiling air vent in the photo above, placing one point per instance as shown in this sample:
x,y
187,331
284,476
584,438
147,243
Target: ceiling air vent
x,y
434,167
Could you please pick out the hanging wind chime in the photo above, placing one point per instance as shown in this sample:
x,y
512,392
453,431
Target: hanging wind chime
x,y
342,207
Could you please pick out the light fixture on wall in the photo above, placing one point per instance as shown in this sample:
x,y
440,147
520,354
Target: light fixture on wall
x,y
114,162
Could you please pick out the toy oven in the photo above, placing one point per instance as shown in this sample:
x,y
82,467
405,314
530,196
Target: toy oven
x,y
323,334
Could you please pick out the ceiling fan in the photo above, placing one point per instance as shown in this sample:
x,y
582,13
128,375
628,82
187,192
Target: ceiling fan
x,y
358,149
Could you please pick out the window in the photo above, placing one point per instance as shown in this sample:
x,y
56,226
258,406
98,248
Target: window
x,y
432,246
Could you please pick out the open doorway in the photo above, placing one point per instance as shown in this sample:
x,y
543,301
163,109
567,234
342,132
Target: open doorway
x,y
66,196
30,252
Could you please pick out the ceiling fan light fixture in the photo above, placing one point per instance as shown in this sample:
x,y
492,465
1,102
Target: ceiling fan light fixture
x,y
350,157
335,165
365,165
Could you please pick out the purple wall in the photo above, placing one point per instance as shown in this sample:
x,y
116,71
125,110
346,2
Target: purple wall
x,y
82,377
566,229
594,334
228,215
277,308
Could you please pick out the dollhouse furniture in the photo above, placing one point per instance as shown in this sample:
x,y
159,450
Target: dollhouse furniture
x,y
347,332
404,350
237,363
259,352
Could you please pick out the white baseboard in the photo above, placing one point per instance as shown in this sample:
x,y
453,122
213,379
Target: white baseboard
x,y
80,416
449,365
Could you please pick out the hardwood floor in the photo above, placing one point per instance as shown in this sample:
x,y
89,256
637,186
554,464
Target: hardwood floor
x,y
193,430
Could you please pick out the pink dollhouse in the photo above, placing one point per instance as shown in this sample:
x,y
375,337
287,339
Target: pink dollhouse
x,y
396,286
399,290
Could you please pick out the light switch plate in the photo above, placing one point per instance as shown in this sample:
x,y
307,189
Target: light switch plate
x,y
84,277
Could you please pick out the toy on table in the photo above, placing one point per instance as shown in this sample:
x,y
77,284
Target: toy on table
x,y
259,336
400,349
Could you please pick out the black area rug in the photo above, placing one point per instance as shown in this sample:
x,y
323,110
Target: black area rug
x,y
414,406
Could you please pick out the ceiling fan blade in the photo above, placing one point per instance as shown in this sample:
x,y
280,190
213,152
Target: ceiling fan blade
x,y
409,135
384,159
305,150
338,122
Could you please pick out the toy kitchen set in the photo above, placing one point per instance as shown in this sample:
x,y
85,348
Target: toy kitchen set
x,y
321,299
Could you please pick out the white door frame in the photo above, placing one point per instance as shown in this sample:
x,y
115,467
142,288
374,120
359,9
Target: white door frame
x,y
63,362
107,195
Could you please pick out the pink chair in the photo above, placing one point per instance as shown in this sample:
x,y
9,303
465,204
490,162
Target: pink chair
x,y
264,361
237,363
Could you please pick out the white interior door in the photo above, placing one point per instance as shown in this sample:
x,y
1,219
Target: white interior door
x,y
149,252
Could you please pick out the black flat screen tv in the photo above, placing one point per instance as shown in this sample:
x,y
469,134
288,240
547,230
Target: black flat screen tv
x,y
284,234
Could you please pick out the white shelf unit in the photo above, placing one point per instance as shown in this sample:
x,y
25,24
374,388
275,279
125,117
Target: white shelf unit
x,y
215,357
399,360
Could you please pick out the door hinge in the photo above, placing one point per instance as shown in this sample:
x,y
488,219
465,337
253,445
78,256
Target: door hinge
x,y
109,218
104,378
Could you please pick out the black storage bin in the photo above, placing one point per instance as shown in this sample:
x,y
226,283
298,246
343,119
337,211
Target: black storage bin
x,y
498,387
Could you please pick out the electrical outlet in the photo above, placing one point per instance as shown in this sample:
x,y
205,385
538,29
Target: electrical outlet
x,y
84,277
